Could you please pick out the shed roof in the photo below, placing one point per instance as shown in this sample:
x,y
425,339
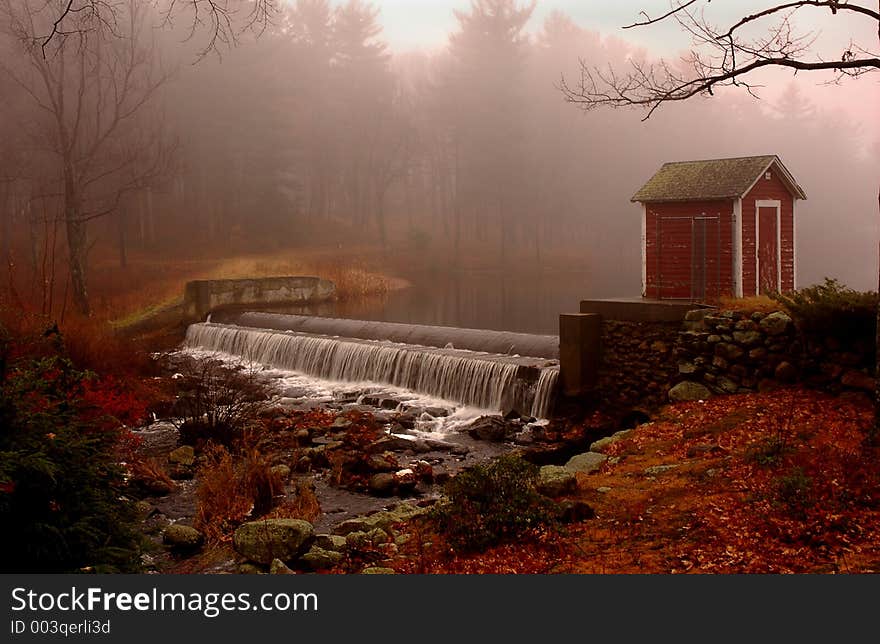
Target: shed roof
x,y
712,179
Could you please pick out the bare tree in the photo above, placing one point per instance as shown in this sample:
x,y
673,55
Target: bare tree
x,y
221,21
722,57
90,89
730,57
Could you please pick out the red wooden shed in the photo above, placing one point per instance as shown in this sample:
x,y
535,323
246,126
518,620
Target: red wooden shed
x,y
719,227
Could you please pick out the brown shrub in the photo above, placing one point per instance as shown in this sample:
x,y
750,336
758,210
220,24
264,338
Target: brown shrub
x,y
304,505
231,491
149,475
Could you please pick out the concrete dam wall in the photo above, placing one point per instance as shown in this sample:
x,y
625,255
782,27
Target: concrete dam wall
x,y
488,341
203,296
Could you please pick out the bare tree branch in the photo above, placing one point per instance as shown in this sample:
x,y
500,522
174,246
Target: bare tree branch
x,y
720,58
224,21
650,21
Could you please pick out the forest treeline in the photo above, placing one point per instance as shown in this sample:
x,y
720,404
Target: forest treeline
x,y
132,133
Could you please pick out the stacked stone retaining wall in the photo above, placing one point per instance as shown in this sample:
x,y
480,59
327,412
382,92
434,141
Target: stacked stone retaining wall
x,y
740,352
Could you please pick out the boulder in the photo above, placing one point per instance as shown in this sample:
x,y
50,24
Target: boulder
x,y
785,372
587,463
185,455
440,446
573,511
376,570
391,444
776,323
858,380
247,568
688,390
656,470
727,385
341,422
729,351
687,368
748,338
319,559
278,567
658,346
263,541
602,444
696,315
382,484
182,537
491,428
358,540
281,471
405,481
378,536
382,462
357,524
386,519
332,542
555,480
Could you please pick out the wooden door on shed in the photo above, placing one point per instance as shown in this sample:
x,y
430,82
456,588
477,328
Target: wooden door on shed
x,y
687,258
768,250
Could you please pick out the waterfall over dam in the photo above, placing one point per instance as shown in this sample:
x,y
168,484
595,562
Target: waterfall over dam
x,y
333,349
500,342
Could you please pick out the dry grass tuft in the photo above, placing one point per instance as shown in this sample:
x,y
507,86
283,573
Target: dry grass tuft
x,y
231,491
760,303
150,474
304,505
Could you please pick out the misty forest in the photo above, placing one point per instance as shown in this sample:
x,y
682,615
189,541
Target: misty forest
x,y
280,295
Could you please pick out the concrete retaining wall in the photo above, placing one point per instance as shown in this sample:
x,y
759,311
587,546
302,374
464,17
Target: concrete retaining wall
x,y
203,296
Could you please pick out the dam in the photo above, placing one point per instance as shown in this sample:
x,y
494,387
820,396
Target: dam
x,y
497,371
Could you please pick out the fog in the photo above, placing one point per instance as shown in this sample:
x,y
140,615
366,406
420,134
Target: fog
x,y
147,140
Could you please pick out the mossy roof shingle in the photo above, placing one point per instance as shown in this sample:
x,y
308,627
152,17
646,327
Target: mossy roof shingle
x,y
712,179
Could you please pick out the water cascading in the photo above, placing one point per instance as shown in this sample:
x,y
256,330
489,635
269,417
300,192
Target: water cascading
x,y
481,340
488,381
545,392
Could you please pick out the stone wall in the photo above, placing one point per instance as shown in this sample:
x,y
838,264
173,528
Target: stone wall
x,y
739,352
202,296
638,364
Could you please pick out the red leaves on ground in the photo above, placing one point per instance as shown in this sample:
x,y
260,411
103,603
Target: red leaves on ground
x,y
781,482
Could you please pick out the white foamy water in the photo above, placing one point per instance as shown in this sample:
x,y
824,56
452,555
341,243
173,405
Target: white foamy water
x,y
457,386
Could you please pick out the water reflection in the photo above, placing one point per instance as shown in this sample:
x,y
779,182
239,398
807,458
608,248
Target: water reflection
x,y
527,303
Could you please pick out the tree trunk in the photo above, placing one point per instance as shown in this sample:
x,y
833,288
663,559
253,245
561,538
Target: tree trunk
x,y
76,244
123,255
5,227
875,433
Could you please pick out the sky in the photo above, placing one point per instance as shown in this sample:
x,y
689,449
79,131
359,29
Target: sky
x,y
416,24
426,24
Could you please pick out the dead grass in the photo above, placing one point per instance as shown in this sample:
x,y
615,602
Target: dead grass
x,y
127,295
304,505
760,303
232,490
151,474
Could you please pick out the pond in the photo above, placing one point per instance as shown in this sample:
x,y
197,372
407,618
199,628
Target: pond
x,y
522,302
